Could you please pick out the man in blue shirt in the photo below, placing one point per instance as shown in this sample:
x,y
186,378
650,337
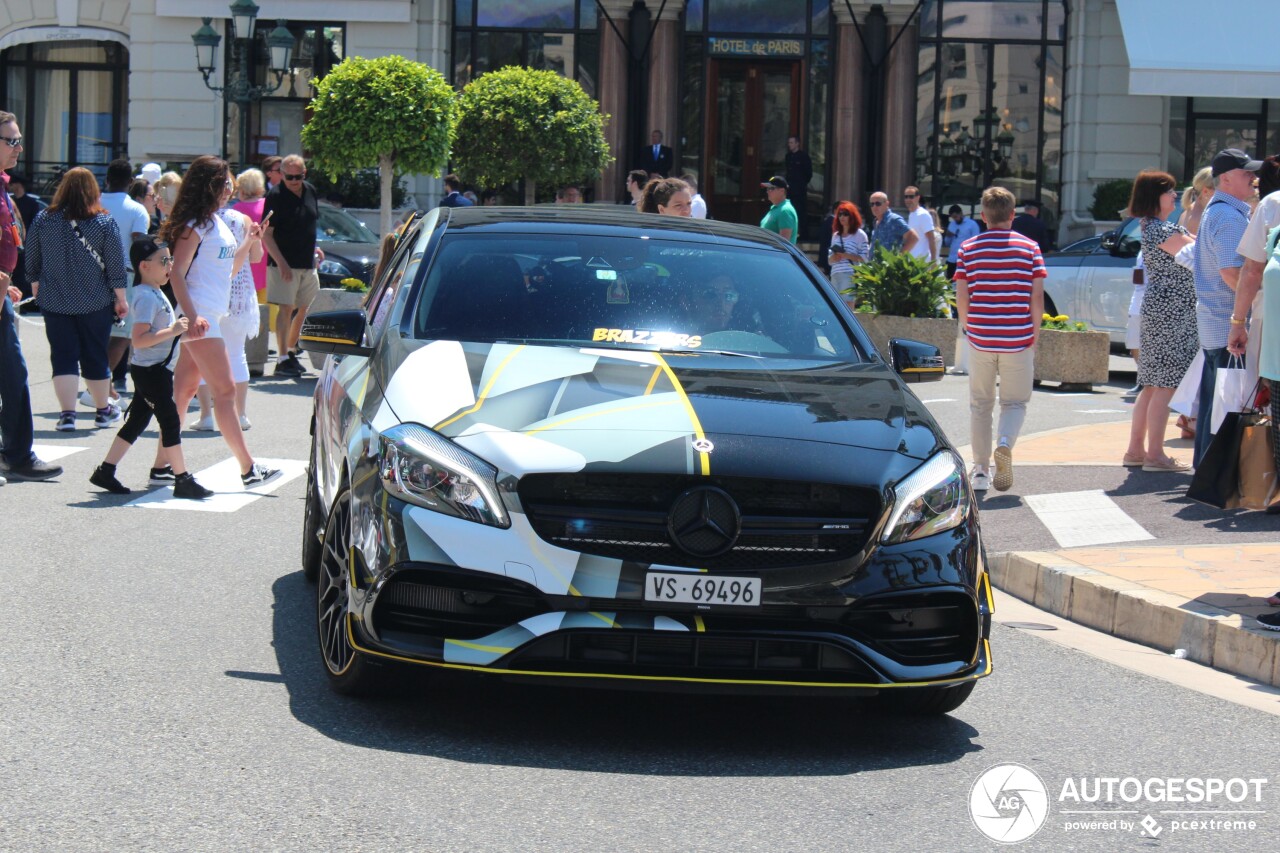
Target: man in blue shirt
x,y
959,229
889,229
1217,271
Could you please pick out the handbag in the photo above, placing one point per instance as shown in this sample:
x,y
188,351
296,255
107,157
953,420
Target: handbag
x,y
1257,468
1186,399
1217,478
1231,391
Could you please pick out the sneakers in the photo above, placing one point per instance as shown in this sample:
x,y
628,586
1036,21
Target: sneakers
x,y
86,399
3,481
162,476
66,422
290,366
105,478
204,424
258,474
35,469
1132,392
1270,621
1004,468
957,371
109,415
245,423
979,479
185,486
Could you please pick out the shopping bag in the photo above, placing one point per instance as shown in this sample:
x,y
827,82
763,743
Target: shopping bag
x,y
1257,464
1231,389
1186,399
1217,477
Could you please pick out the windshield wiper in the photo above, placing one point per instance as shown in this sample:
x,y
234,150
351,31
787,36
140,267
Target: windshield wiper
x,y
709,351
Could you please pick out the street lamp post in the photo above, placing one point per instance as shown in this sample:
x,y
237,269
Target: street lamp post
x,y
239,87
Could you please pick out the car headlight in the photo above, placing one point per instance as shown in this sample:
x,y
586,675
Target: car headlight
x,y
328,267
419,466
932,499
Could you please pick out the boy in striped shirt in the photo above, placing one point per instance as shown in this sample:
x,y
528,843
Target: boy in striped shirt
x,y
1000,293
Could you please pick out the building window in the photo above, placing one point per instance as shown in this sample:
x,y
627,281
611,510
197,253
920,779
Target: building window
x,y
550,35
1201,127
992,115
71,104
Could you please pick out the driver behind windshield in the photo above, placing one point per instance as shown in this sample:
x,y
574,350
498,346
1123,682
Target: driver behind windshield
x,y
709,307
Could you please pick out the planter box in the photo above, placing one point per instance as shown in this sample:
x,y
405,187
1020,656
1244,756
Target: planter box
x,y
332,299
929,330
1077,359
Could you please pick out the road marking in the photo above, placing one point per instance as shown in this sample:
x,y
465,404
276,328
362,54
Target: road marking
x,y
939,400
54,452
224,479
1085,518
1100,411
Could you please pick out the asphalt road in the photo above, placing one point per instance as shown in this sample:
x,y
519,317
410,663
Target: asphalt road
x,y
162,691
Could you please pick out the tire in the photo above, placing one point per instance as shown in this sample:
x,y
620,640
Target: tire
x,y
925,701
313,524
350,672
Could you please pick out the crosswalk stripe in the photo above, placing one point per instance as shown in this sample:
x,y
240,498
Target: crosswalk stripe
x,y
1085,518
224,480
54,452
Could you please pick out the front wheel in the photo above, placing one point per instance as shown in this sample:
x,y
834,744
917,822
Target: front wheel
x,y
925,700
349,671
312,524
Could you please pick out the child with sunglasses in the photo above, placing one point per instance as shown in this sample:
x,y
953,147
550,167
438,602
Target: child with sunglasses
x,y
155,334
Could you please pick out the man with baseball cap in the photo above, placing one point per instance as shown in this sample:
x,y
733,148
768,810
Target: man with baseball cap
x,y
1217,271
781,218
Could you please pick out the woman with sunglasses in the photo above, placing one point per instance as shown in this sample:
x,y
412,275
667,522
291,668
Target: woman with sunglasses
x,y
75,263
206,256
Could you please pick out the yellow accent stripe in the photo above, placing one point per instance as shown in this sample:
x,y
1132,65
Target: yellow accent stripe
x,y
318,339
485,393
699,624
498,649
704,458
613,411
660,678
921,370
605,619
653,380
986,588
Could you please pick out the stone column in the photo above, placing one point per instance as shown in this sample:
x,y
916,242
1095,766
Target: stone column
x,y
900,110
664,78
847,153
614,75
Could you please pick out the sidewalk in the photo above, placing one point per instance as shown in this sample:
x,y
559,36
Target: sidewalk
x,y
1201,598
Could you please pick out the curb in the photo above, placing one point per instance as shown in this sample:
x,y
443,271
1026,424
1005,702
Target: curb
x,y
1131,611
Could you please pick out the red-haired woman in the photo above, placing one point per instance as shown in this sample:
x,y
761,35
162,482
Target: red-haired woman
x,y
849,246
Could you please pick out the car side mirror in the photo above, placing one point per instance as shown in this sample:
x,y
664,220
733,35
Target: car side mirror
x,y
1111,240
915,361
337,332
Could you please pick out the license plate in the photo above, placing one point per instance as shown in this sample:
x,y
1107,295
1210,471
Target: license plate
x,y
709,590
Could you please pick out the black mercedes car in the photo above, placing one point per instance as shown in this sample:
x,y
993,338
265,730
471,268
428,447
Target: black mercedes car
x,y
587,445
350,248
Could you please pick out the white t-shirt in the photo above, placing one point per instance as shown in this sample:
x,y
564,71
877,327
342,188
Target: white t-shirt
x,y
1253,245
921,222
130,216
699,206
209,277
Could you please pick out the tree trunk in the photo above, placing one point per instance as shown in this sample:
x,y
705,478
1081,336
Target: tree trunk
x,y
386,171
530,191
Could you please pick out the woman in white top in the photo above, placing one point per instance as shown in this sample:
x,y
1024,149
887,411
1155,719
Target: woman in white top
x,y
206,256
849,246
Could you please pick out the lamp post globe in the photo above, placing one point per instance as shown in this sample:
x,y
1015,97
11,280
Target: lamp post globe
x,y
206,40
243,14
280,43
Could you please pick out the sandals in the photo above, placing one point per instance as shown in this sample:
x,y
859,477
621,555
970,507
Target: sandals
x,y
1274,600
1188,427
1134,461
1168,465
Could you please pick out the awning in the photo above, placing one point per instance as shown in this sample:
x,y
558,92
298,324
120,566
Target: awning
x,y
1196,50
33,35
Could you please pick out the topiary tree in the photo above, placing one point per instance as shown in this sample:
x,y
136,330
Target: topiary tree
x,y
516,123
389,112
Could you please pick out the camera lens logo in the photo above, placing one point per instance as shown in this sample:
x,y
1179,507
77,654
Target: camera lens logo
x,y
1009,803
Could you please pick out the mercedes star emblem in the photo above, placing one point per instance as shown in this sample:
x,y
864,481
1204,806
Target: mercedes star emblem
x,y
704,521
703,445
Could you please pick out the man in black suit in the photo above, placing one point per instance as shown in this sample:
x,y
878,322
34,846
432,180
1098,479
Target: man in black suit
x,y
799,169
657,158
1030,225
453,196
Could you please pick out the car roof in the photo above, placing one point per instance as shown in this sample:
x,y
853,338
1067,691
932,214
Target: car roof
x,y
602,219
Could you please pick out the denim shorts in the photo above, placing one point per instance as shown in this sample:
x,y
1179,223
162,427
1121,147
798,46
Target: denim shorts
x,y
78,342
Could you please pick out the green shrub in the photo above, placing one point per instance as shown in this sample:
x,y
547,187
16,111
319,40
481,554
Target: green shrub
x,y
900,284
1110,197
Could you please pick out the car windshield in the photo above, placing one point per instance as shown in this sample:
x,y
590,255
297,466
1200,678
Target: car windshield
x,y
335,225
627,292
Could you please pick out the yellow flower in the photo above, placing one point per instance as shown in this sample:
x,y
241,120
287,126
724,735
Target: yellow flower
x,y
1045,318
1061,318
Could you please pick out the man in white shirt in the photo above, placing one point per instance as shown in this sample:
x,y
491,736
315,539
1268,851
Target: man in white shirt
x,y
698,204
921,222
131,217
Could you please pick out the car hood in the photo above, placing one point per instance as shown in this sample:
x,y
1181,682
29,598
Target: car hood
x,y
613,406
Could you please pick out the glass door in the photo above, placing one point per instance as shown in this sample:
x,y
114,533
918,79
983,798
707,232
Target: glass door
x,y
754,107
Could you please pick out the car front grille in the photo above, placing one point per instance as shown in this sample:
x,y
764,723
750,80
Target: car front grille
x,y
625,516
690,655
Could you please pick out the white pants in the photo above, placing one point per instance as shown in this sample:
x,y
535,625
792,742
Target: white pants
x,y
1016,372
